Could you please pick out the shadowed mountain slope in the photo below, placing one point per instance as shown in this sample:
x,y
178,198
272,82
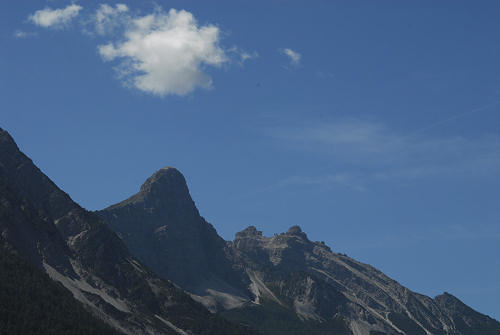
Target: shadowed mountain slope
x,y
163,228
31,303
74,247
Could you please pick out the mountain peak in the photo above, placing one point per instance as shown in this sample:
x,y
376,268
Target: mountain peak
x,y
164,177
165,189
163,228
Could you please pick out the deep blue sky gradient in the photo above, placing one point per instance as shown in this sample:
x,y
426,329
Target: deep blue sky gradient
x,y
415,192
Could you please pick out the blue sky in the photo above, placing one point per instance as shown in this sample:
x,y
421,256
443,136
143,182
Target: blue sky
x,y
374,125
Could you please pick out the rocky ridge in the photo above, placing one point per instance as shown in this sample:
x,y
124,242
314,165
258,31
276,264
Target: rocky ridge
x,y
285,284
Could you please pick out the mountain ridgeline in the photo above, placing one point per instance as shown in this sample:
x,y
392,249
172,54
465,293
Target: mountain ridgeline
x,y
152,265
285,284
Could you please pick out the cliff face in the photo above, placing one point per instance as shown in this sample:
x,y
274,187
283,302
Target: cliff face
x,y
74,247
285,284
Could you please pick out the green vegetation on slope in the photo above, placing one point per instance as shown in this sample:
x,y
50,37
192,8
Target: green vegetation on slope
x,y
32,303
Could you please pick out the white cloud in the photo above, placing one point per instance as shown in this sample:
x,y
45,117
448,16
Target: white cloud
x,y
165,53
294,56
107,17
55,17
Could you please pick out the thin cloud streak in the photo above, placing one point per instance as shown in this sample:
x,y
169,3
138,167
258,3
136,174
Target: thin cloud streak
x,y
456,117
450,233
345,180
242,54
373,152
20,34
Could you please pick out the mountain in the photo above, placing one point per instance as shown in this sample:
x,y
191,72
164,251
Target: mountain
x,y
75,248
285,284
292,272
163,228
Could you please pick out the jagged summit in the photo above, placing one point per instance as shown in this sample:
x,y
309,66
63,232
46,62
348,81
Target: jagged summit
x,y
250,231
294,230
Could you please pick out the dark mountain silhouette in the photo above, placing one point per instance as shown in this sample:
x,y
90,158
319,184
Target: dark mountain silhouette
x,y
74,247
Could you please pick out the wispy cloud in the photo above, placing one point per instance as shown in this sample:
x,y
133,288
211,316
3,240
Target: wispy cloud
x,y
380,153
441,234
242,54
293,56
20,34
340,179
55,18
107,18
